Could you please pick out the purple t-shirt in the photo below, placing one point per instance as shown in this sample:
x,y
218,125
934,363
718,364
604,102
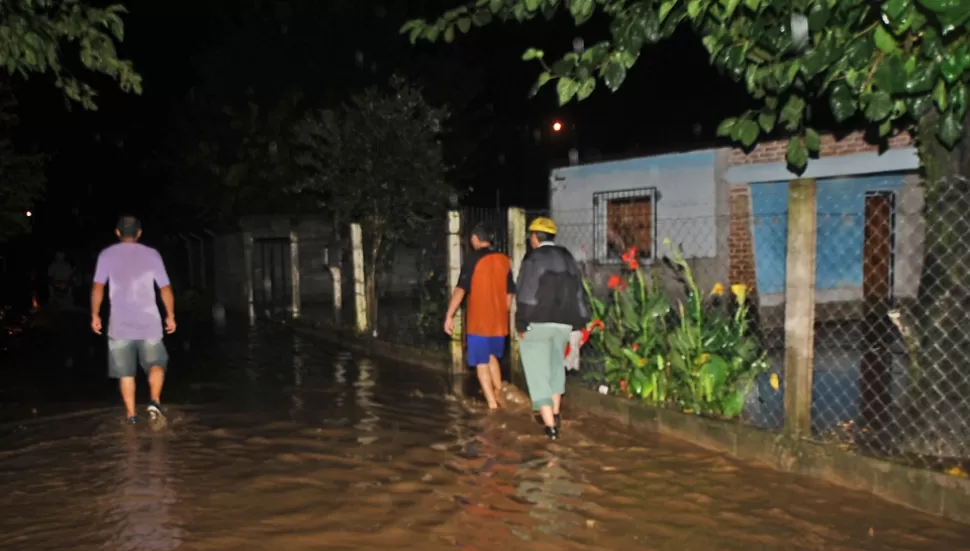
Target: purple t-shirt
x,y
131,271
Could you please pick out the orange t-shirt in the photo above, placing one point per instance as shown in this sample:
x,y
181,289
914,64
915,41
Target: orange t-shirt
x,y
486,278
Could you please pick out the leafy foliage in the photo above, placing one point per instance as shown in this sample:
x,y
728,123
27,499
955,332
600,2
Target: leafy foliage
x,y
699,357
376,160
34,33
889,62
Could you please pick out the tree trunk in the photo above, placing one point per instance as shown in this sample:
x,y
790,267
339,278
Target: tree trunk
x,y
940,382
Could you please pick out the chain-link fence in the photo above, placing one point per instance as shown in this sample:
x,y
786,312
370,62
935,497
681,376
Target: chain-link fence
x,y
891,343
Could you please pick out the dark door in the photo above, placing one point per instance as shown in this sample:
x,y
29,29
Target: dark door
x,y
272,282
878,257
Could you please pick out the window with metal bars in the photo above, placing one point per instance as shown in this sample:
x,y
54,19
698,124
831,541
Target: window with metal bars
x,y
623,220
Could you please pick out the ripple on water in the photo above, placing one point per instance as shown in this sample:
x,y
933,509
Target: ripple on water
x,y
371,460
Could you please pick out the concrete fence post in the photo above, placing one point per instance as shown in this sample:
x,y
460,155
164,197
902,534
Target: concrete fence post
x,y
295,297
800,306
517,250
337,293
360,288
454,270
248,276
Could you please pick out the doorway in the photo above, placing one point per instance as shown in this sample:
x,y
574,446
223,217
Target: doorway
x,y
272,281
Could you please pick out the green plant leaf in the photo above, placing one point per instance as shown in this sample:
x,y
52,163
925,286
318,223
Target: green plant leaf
x,y
532,53
726,127
878,105
614,73
797,154
884,41
586,88
812,140
950,129
733,405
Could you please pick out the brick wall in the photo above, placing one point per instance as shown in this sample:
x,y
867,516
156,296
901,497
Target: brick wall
x,y
774,151
740,243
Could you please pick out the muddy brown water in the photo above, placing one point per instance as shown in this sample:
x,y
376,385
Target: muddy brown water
x,y
295,446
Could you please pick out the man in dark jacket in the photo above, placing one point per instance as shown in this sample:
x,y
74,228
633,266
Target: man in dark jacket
x,y
550,304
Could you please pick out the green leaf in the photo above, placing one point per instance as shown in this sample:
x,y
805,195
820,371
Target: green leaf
x,y
952,67
544,77
694,8
614,73
450,34
940,96
496,6
481,18
726,127
878,105
797,154
733,405
818,16
885,41
842,103
958,99
532,53
531,5
581,10
812,140
890,74
665,9
464,24
767,119
922,79
752,5
792,112
566,88
586,89
919,106
746,131
885,127
950,129
730,6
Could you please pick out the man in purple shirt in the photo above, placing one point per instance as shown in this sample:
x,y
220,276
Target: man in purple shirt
x,y
134,324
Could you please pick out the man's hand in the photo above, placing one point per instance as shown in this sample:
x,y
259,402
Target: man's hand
x,y
170,325
96,323
449,325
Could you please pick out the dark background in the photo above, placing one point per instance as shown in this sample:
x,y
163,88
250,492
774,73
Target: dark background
x,y
125,156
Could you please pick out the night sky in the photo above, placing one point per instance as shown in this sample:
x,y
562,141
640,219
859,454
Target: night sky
x,y
119,158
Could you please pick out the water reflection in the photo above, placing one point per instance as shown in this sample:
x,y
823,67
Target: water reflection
x,y
141,508
364,394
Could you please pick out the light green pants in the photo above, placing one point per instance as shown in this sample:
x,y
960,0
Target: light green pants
x,y
543,349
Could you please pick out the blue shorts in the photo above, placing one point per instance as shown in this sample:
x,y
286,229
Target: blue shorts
x,y
124,356
480,348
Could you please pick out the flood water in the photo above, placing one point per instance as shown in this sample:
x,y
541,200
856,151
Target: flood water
x,y
281,443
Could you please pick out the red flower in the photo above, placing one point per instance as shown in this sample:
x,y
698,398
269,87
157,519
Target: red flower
x,y
630,257
597,324
623,385
616,282
635,347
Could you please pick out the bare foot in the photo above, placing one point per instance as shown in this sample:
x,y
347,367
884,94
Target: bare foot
x,y
493,406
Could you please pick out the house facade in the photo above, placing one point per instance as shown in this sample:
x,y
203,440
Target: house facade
x,y
727,211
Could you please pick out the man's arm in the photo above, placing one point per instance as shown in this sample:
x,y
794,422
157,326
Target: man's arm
x,y
165,291
527,288
97,298
168,300
510,287
464,284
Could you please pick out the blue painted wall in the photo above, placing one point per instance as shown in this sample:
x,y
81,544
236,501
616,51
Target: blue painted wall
x,y
841,212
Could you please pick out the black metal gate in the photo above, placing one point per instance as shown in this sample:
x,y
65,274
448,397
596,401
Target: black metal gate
x,y
272,277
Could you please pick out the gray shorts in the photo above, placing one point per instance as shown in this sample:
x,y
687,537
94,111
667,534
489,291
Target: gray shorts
x,y
124,356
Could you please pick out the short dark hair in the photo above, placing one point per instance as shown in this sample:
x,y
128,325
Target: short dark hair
x,y
484,232
544,237
128,226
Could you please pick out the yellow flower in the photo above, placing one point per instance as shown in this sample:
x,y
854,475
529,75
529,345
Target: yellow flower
x,y
775,384
704,358
718,290
957,472
740,291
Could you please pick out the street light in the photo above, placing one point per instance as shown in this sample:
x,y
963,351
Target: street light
x,y
29,214
556,126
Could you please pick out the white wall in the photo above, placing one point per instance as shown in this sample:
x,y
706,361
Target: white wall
x,y
685,210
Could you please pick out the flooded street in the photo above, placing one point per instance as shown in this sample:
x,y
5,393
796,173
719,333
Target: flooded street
x,y
280,443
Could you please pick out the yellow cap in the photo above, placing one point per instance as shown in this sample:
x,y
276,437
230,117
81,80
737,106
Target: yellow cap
x,y
544,225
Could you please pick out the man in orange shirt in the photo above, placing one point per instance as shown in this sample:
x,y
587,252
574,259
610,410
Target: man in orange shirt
x,y
486,279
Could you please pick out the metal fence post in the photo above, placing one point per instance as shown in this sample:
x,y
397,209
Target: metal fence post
x,y
517,250
360,293
800,306
248,275
294,276
454,270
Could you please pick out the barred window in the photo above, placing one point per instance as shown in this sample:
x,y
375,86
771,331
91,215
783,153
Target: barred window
x,y
625,219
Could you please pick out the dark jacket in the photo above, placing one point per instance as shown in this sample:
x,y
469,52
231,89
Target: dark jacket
x,y
550,289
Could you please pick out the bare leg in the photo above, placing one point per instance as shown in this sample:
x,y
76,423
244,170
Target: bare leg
x,y
156,379
547,416
127,385
485,378
495,370
556,403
